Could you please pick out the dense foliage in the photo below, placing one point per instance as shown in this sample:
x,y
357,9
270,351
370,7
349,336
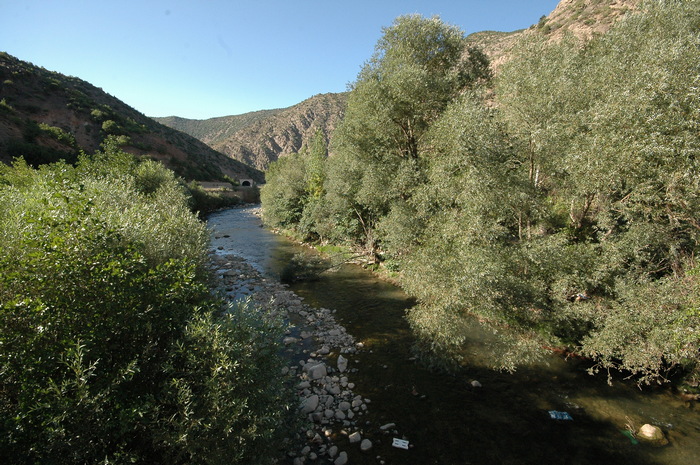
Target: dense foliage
x,y
557,204
112,347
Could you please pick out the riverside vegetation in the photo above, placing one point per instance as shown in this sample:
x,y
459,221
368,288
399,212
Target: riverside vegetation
x,y
556,203
113,349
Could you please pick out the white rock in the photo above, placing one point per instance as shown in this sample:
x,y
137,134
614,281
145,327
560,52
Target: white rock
x,y
344,406
387,426
652,434
476,384
355,437
365,445
342,363
340,415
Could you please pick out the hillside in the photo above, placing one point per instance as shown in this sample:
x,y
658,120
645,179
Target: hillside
x,y
582,18
46,116
214,130
260,137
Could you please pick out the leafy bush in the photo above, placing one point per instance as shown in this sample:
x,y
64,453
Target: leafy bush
x,y
112,348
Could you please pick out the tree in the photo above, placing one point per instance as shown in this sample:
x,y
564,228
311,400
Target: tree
x,y
611,148
418,67
284,194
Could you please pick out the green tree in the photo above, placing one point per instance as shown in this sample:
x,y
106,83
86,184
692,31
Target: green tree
x,y
611,150
418,67
284,194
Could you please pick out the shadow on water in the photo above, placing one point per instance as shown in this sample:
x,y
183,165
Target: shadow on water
x,y
445,418
506,420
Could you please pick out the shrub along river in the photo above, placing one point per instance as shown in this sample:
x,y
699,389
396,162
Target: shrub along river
x,y
477,416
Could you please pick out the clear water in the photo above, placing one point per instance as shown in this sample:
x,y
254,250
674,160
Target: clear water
x,y
445,419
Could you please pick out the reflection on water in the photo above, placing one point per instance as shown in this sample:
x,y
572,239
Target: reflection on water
x,y
445,418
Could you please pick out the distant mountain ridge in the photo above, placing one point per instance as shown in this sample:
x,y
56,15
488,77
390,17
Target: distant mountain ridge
x,y
258,138
214,130
46,116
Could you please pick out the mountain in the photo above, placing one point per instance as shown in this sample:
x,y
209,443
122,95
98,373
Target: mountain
x,y
215,130
261,137
46,116
257,138
582,18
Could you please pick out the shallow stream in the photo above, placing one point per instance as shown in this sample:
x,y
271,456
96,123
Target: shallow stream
x,y
444,417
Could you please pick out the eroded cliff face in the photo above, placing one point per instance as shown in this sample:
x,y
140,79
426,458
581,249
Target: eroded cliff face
x,y
585,18
285,132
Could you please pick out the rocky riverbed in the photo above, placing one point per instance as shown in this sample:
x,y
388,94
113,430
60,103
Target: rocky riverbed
x,y
320,359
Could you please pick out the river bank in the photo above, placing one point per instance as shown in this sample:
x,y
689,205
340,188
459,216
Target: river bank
x,y
447,419
320,353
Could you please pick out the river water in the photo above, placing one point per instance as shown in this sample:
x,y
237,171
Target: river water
x,y
444,417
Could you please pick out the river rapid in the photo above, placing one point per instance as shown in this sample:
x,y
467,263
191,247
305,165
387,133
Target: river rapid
x,y
477,416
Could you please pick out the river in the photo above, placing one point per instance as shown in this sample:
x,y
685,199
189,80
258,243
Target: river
x,y
446,419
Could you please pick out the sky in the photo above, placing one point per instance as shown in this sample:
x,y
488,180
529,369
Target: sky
x,y
200,59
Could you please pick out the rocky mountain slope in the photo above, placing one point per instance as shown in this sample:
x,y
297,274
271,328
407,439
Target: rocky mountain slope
x,y
259,138
582,18
46,116
214,130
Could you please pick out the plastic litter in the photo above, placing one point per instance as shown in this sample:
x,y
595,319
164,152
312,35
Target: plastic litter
x,y
400,443
555,415
631,437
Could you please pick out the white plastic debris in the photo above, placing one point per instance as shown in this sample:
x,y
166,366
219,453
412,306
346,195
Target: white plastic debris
x,y
400,443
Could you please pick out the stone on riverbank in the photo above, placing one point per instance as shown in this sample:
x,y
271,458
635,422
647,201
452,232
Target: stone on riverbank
x,y
342,363
355,437
310,404
342,459
652,435
316,371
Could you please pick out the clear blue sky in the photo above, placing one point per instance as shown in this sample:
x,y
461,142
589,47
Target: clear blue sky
x,y
205,58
